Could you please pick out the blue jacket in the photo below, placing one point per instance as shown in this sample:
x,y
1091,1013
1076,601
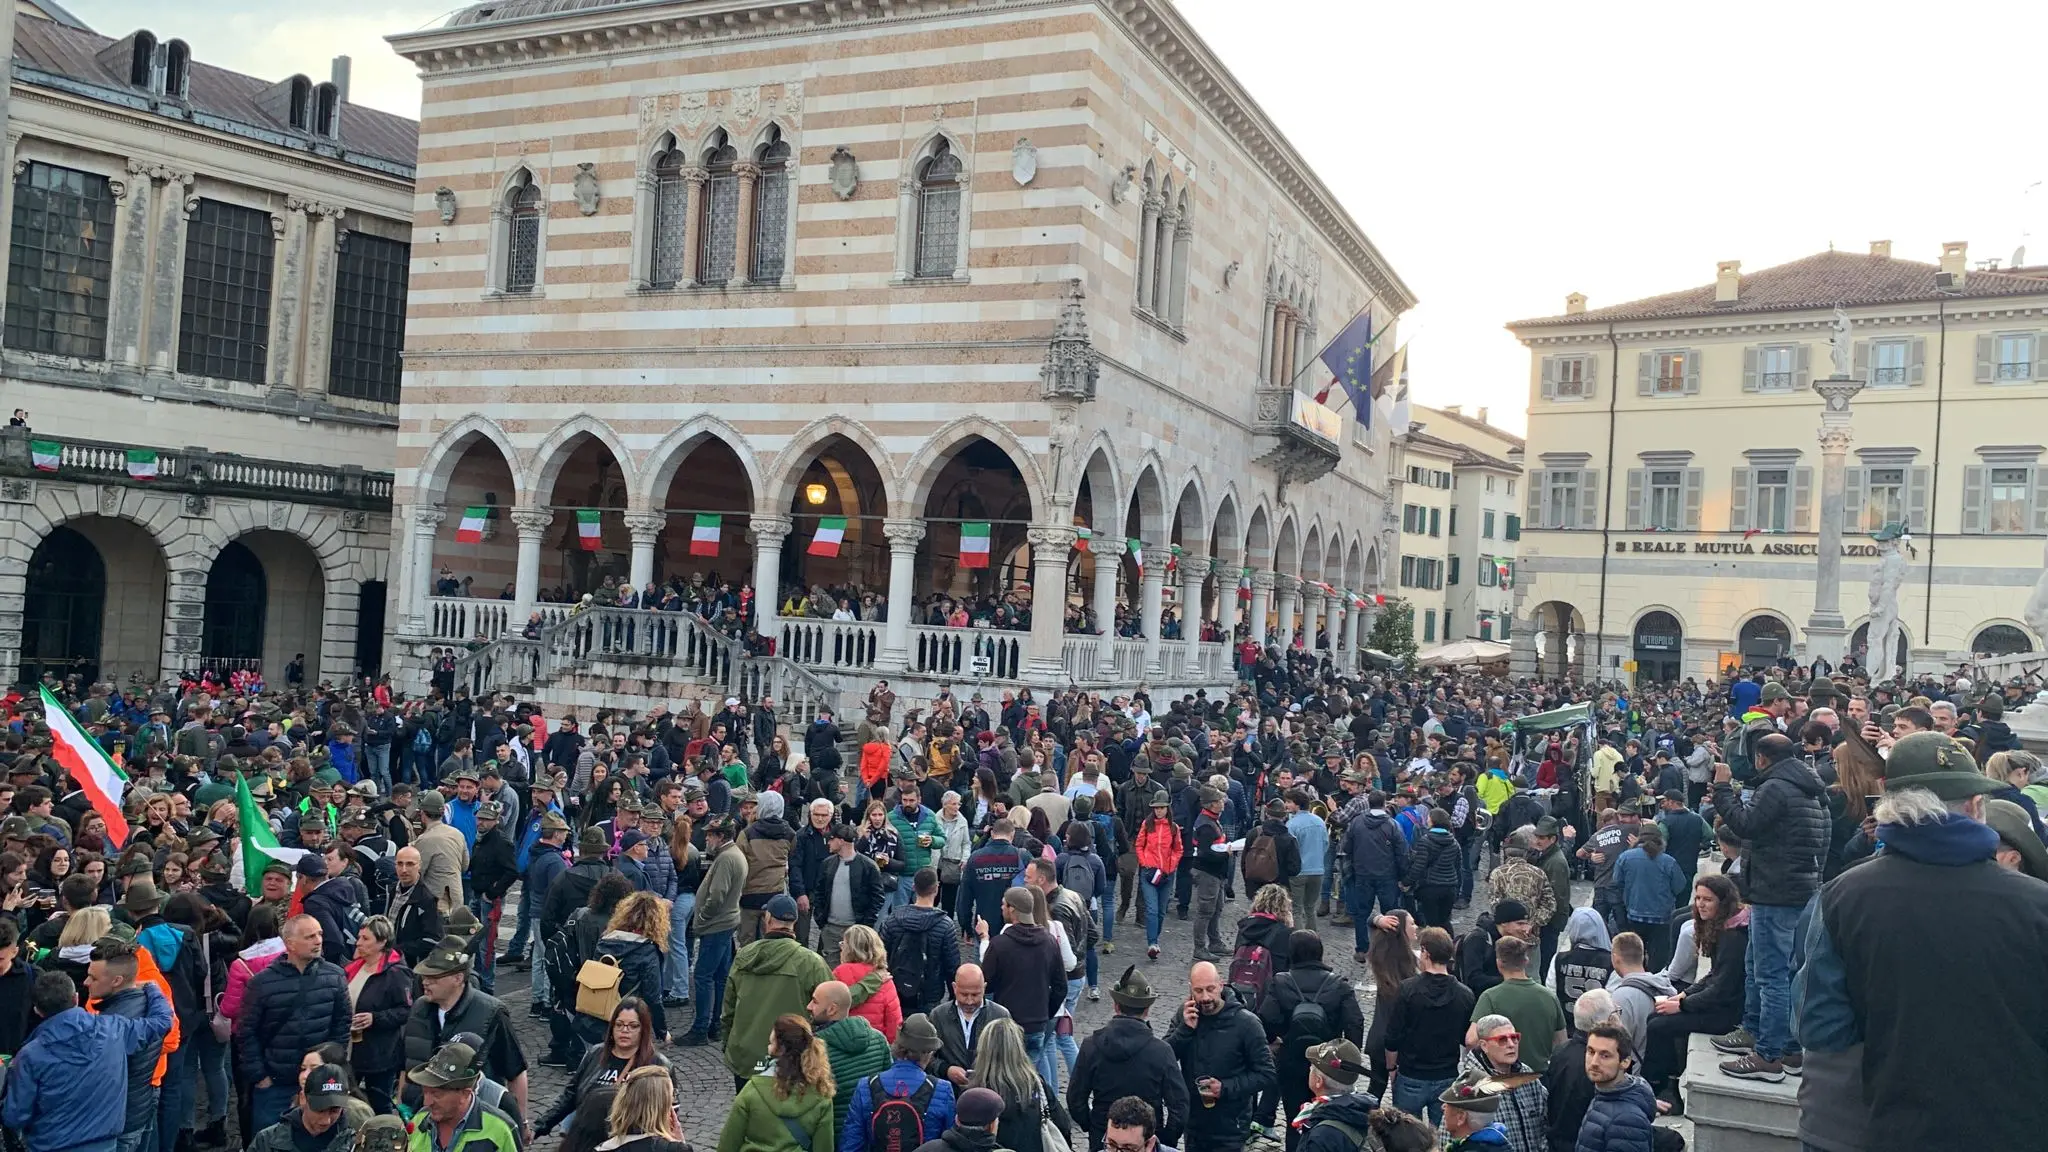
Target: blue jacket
x,y
988,873
901,1077
1313,838
1620,1120
343,759
57,1088
462,817
1375,846
1651,886
541,873
531,836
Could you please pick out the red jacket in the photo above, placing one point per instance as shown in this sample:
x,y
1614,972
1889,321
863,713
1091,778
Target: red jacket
x,y
1158,845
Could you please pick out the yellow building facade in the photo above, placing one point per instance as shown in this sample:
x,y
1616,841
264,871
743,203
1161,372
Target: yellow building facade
x,y
1674,478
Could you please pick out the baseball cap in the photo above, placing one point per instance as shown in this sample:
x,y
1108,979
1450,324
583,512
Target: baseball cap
x,y
326,1088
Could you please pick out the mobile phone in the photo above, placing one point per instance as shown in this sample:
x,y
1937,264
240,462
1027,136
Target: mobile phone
x,y
1871,801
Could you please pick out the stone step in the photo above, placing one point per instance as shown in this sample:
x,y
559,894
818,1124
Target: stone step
x,y
1731,1115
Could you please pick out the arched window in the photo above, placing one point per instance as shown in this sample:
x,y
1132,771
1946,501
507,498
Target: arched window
x,y
326,109
142,61
301,103
938,212
721,211
1173,309
2001,640
771,210
177,70
671,219
522,247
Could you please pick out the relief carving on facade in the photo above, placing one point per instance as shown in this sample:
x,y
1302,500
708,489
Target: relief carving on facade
x,y
444,200
197,505
110,500
355,520
845,173
742,112
585,189
17,491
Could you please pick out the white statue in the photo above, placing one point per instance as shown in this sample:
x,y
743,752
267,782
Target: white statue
x,y
1881,656
2036,612
1839,347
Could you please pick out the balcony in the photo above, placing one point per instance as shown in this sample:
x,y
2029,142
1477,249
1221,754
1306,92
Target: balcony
x,y
192,471
1297,438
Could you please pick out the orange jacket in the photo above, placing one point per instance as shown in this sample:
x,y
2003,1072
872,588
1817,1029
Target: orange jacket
x,y
146,971
874,764
1158,845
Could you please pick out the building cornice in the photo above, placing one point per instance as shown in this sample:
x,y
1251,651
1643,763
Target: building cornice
x,y
1154,25
1869,319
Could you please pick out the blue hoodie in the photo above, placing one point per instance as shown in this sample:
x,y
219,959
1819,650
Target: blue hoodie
x,y
57,1094
342,758
1491,1136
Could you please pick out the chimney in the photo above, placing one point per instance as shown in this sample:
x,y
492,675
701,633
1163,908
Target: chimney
x,y
1575,304
1727,281
1881,248
340,77
1482,416
1455,409
1954,255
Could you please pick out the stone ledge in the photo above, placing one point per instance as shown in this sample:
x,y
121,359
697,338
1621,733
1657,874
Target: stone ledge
x,y
1731,1115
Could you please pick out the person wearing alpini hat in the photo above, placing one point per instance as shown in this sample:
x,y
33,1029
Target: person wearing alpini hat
x,y
1122,1059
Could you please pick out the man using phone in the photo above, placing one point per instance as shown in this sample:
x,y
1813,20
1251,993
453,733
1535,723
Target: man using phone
x,y
1223,1058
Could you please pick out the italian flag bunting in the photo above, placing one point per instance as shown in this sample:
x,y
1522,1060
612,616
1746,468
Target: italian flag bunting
x,y
1244,586
974,545
1137,550
1081,538
704,535
831,534
1173,560
141,464
90,768
46,454
259,843
1507,573
471,529
589,530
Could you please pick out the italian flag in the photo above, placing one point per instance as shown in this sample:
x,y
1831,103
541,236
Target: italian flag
x,y
46,454
1081,538
1173,560
704,536
1507,574
1137,550
141,464
1244,586
471,529
259,843
89,766
831,534
974,545
589,532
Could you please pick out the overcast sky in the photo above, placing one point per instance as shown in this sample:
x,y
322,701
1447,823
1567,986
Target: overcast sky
x,y
1502,155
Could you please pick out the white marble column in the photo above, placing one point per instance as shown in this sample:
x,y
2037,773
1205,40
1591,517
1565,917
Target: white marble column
x,y
531,524
1288,588
167,271
1152,598
420,565
1262,602
904,537
769,532
1311,616
1351,622
1271,317
1050,545
1333,621
1147,250
322,254
644,528
287,292
1108,553
1193,570
127,306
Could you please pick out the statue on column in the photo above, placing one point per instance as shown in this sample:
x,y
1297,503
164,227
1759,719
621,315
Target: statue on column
x,y
1840,351
1882,633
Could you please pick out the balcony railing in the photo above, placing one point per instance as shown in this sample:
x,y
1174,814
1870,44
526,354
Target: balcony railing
x,y
460,620
194,470
835,644
953,652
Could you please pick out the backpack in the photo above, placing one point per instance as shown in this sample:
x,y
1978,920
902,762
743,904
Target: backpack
x,y
597,987
1309,1023
910,958
1251,973
1079,879
1357,1138
558,955
1262,861
422,740
897,1123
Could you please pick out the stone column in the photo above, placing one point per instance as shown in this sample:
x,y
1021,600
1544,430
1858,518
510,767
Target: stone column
x,y
1333,623
769,533
1826,632
167,272
184,611
1153,595
1050,546
532,524
1287,350
1148,239
419,565
287,289
903,536
693,236
1193,570
1108,554
643,528
1262,601
1277,356
1177,272
749,174
128,306
1289,589
1351,619
1162,261
324,247
1311,616
1266,336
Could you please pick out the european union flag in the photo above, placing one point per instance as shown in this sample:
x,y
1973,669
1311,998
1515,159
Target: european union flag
x,y
1349,357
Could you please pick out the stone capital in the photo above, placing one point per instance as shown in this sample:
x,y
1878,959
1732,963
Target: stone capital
x,y
1195,568
1154,204
1049,543
696,177
1155,560
643,527
903,535
770,530
1286,585
532,522
425,520
747,170
1835,440
1263,581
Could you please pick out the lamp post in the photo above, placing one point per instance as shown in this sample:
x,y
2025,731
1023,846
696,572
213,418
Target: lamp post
x,y
1826,632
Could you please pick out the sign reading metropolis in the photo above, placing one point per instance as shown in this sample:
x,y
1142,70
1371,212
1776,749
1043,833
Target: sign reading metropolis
x,y
1664,545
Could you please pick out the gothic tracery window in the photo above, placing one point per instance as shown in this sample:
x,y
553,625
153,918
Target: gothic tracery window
x,y
938,212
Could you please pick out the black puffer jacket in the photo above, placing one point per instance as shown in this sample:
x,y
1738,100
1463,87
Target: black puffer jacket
x,y
1123,1058
641,962
1784,830
387,997
1230,1046
133,1003
1435,861
285,1012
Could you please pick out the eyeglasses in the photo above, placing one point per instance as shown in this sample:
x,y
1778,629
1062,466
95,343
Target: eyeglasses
x,y
1500,1036
1119,1146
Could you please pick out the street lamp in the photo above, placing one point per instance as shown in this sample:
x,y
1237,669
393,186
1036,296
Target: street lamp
x,y
814,493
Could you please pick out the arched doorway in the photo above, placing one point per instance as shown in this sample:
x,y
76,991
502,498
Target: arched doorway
x,y
1763,641
709,486
63,609
840,488
587,479
288,622
237,595
1560,639
129,641
2001,640
1859,646
1659,643
978,513
469,572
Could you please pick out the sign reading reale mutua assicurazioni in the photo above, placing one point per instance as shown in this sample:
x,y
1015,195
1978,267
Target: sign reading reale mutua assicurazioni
x,y
1665,545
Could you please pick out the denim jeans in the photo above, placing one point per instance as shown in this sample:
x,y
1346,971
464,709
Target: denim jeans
x,y
1359,894
1044,1054
143,1140
676,976
1468,867
1155,897
517,945
714,964
1767,971
1413,1096
174,1099
268,1105
897,896
377,766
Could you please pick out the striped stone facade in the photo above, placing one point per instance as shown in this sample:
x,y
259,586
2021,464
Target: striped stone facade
x,y
1124,205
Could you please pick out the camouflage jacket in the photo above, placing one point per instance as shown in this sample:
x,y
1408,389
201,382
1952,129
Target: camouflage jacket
x,y
1523,881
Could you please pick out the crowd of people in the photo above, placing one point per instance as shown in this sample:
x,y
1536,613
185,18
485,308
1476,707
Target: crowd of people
x,y
886,932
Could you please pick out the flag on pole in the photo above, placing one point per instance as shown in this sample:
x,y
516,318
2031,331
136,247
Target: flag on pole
x,y
1350,357
259,843
1244,586
589,530
141,464
46,454
1137,550
704,535
831,534
90,768
471,529
1081,538
974,545
1173,559
1507,574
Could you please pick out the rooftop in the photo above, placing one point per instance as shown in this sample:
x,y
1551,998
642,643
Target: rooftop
x,y
1459,454
69,51
1477,425
1823,280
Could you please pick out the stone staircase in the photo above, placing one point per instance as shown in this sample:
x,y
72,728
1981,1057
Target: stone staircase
x,y
1730,1115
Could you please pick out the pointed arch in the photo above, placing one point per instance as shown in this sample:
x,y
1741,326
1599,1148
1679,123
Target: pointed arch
x,y
1258,538
766,135
1354,565
430,477
1287,545
1374,577
1148,493
547,460
939,447
657,468
782,477
1191,509
1105,485
512,179
1226,534
713,138
1312,551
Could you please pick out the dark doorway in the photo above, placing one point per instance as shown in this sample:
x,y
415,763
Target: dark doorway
x,y
237,595
370,630
61,614
1659,641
